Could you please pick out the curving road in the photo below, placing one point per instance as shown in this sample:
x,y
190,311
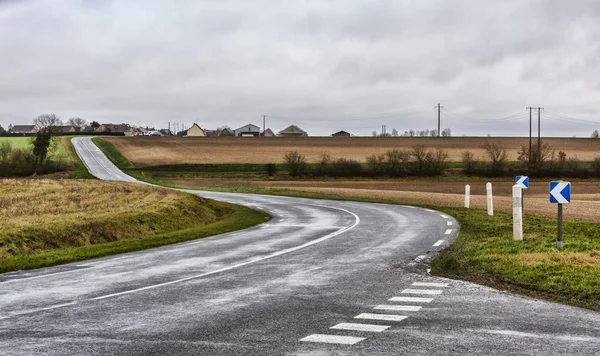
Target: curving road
x,y
320,278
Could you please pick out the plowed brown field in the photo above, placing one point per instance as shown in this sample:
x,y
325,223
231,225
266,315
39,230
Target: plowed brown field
x,y
148,151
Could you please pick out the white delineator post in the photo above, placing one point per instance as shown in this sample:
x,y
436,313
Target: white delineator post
x,y
517,212
490,202
467,196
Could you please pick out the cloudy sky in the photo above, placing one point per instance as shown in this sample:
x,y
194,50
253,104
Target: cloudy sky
x,y
322,65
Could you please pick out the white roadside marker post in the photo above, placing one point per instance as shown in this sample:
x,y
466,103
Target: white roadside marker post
x,y
467,196
490,202
517,213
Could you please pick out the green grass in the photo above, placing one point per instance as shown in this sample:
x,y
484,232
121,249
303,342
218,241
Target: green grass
x,y
229,218
18,142
78,169
485,252
112,153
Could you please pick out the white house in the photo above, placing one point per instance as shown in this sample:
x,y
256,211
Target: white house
x,y
248,130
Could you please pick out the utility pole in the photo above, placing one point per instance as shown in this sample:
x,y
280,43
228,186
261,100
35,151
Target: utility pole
x,y
439,107
169,132
264,122
539,135
530,144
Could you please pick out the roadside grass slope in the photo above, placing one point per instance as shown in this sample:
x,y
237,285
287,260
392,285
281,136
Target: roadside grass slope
x,y
48,222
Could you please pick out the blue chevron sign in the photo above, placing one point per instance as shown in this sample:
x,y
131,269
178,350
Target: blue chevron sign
x,y
560,192
522,181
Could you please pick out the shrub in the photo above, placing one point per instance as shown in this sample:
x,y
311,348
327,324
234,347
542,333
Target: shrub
x,y
470,163
324,165
343,167
376,164
296,163
271,169
497,155
397,163
596,167
423,160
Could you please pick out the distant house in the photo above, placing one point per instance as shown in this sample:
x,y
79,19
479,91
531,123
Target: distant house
x,y
224,131
292,131
248,130
65,129
341,134
22,129
267,133
195,131
113,128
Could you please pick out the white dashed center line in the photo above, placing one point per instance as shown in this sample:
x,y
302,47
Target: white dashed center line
x,y
448,232
422,291
398,307
411,299
449,223
438,243
386,317
333,339
360,327
431,284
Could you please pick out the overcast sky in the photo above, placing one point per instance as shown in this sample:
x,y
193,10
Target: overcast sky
x,y
322,65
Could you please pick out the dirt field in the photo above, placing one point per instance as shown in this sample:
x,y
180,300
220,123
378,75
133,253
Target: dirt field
x,y
148,151
585,195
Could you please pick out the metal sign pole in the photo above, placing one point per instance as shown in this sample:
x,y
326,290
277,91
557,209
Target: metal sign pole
x,y
559,242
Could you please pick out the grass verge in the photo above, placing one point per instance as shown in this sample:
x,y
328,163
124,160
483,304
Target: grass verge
x,y
53,222
485,252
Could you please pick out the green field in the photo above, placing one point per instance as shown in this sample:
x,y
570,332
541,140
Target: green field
x,y
25,142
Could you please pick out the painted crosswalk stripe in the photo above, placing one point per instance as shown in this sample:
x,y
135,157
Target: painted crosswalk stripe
x,y
360,327
398,307
411,299
422,291
438,243
449,223
333,339
431,284
386,317
448,232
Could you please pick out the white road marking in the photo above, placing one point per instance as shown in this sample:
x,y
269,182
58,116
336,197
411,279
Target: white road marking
x,y
449,223
429,210
411,299
438,243
431,284
448,232
39,310
333,339
398,307
360,327
444,216
422,291
539,336
420,258
275,254
386,317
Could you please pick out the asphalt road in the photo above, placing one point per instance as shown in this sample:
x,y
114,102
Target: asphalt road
x,y
321,278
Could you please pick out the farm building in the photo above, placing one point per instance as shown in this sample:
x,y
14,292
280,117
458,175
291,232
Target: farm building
x,y
22,129
292,131
195,131
65,129
114,128
268,133
341,134
222,131
248,130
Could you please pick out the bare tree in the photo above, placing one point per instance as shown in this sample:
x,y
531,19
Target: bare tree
x,y
496,153
447,132
2,130
46,127
595,134
77,122
395,133
374,133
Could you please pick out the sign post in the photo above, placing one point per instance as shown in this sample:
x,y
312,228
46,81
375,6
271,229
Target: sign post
x,y
523,182
517,212
560,193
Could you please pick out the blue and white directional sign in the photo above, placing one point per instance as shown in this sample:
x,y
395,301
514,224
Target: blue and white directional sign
x,y
522,181
560,192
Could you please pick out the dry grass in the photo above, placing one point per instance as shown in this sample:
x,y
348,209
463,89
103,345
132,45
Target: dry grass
x,y
148,151
42,215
